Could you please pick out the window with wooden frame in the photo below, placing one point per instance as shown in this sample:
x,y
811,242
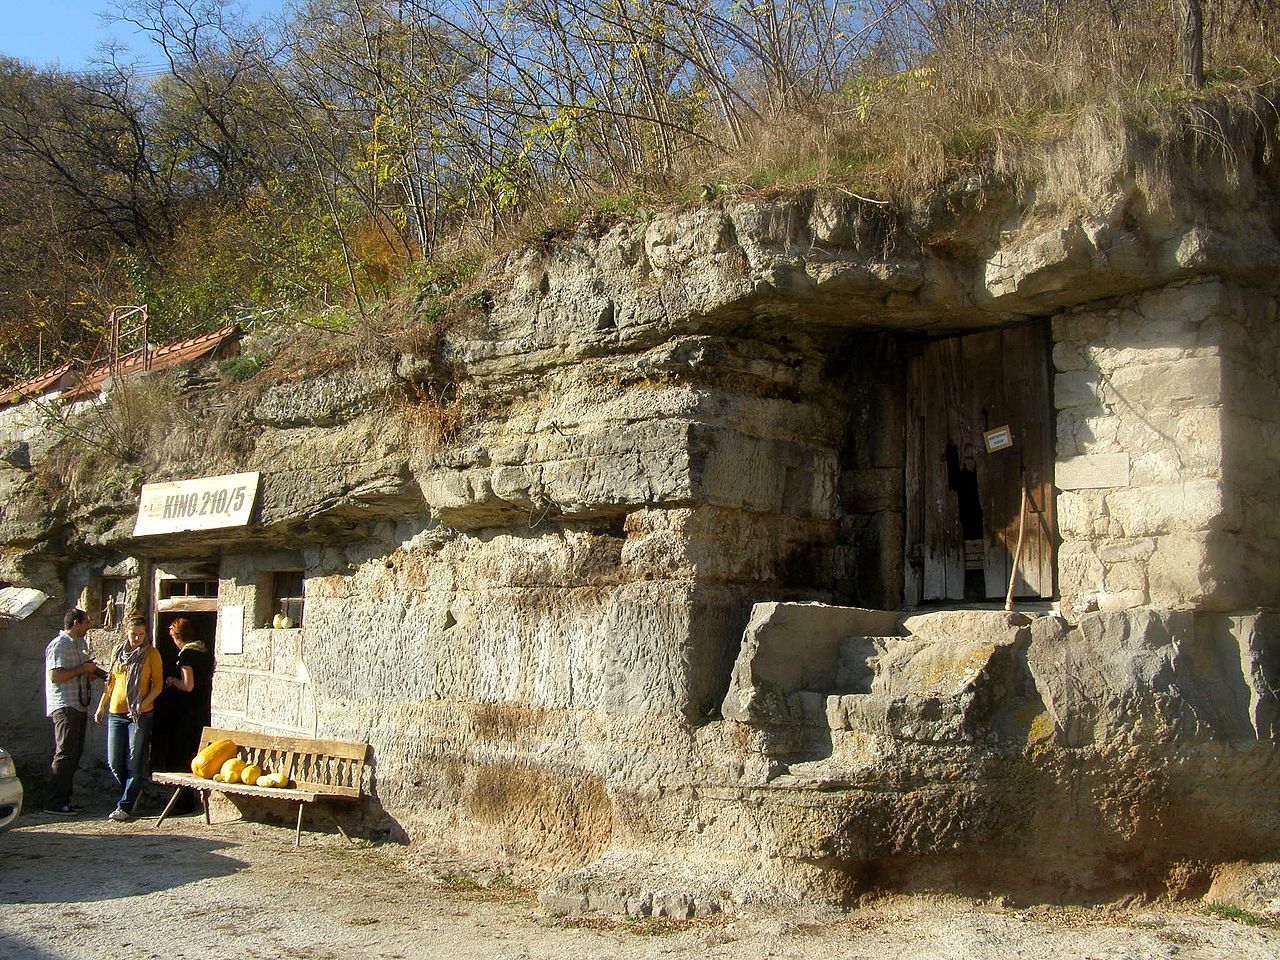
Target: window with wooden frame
x,y
113,607
182,589
287,595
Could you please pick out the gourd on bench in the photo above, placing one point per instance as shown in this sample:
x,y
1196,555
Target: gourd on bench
x,y
316,768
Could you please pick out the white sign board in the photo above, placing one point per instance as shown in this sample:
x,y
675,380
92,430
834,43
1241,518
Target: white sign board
x,y
18,603
204,504
231,630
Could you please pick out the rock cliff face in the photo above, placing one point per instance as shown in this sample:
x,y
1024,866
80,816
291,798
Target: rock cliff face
x,y
634,629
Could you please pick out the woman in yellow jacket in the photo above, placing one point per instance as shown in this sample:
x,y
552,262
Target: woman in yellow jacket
x,y
137,677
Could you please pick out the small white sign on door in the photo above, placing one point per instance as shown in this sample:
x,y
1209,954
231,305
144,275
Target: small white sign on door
x,y
998,439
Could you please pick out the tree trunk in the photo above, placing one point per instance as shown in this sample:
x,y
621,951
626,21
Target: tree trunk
x,y
1192,43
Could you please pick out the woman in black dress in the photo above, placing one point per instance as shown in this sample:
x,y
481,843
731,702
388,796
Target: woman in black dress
x,y
192,691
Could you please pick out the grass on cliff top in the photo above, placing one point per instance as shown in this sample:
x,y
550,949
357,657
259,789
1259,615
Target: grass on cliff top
x,y
917,136
1056,104
1047,104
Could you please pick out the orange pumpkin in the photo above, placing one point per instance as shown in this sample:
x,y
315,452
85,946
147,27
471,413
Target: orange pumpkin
x,y
210,760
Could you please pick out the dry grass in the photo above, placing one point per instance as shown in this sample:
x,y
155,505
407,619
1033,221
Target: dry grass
x,y
643,926
105,448
1055,104
430,422
123,423
499,890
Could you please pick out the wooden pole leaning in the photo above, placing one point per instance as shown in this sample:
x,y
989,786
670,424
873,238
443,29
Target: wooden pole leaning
x,y
1017,553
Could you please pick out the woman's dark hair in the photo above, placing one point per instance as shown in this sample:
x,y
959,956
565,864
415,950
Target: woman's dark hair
x,y
136,621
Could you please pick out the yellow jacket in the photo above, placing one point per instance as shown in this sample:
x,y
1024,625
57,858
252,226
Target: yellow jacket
x,y
152,683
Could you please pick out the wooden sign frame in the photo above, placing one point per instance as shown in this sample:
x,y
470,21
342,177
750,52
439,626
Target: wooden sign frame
x,y
997,438
205,503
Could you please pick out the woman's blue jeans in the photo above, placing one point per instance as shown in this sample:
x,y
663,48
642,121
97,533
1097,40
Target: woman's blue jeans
x,y
128,750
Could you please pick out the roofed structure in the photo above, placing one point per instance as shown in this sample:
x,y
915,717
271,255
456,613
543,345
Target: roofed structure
x,y
48,381
170,355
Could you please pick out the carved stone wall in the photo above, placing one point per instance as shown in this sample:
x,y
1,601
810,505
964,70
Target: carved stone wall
x,y
1166,414
545,626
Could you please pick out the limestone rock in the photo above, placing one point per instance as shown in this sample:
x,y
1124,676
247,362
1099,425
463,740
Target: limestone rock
x,y
585,603
1157,676
327,399
790,647
1254,887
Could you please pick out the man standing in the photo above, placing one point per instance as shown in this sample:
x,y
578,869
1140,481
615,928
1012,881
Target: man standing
x,y
68,670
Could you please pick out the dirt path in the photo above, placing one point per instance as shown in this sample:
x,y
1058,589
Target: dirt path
x,y
89,888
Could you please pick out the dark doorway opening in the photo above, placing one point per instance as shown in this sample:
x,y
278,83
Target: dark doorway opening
x,y
203,623
176,714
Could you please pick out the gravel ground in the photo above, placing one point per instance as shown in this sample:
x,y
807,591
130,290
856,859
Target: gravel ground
x,y
89,888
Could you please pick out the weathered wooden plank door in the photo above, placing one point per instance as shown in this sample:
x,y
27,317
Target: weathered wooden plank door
x,y
1031,408
943,546
961,495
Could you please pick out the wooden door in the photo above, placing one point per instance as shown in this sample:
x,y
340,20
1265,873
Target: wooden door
x,y
964,499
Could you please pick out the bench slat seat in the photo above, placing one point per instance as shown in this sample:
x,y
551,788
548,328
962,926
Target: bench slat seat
x,y
318,768
200,783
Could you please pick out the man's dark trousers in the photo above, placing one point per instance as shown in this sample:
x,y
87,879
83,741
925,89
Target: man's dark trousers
x,y
68,743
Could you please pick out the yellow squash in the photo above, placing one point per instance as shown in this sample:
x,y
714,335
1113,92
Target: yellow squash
x,y
210,760
251,774
231,770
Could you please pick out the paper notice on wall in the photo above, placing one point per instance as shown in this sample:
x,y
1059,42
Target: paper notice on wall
x,y
231,629
1000,438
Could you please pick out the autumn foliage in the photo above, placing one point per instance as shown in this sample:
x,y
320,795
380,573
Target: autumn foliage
x,y
332,159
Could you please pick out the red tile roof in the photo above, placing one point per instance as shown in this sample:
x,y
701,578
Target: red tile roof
x,y
33,386
170,355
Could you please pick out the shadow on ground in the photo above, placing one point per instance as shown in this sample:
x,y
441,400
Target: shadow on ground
x,y
70,865
12,949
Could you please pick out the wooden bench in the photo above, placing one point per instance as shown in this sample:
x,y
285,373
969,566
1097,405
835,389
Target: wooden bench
x,y
318,768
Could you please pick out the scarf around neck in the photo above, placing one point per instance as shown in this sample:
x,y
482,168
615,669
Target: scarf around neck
x,y
131,661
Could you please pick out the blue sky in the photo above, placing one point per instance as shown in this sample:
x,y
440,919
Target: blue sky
x,y
67,32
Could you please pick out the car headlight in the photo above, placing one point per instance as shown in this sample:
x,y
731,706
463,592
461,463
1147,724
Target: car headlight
x,y
7,769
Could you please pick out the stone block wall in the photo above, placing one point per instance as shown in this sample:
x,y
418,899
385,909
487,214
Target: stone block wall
x,y
21,422
1247,555
1166,440
871,502
497,674
26,731
265,685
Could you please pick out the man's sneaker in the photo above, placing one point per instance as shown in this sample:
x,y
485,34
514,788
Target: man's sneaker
x,y
61,810
119,816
